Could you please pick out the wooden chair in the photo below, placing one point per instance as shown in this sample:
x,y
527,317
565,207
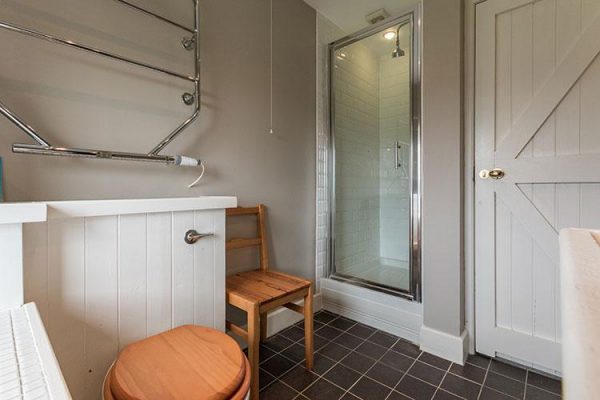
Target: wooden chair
x,y
260,291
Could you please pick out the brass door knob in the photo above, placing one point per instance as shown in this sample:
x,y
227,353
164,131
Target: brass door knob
x,y
496,173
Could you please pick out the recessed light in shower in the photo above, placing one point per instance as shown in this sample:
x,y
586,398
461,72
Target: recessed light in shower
x,y
389,35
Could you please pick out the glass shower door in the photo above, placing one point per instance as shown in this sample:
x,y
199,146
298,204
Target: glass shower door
x,y
375,146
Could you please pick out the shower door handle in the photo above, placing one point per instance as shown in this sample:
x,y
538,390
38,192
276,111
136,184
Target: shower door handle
x,y
397,148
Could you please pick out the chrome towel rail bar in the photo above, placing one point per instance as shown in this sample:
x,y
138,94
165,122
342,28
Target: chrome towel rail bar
x,y
160,17
70,43
43,147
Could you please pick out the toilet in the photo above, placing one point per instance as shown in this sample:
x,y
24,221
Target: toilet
x,y
186,363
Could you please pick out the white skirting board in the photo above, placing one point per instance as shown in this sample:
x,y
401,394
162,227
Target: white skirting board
x,y
388,313
442,344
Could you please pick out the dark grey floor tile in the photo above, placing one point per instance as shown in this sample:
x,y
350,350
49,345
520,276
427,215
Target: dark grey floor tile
x,y
361,330
278,391
461,387
434,360
335,351
349,341
278,343
264,353
491,394
443,395
415,388
328,332
397,360
277,365
324,317
427,373
264,379
383,339
295,352
342,323
371,350
469,371
368,389
508,370
342,376
550,384
299,378
323,390
321,364
398,396
358,362
534,393
293,333
385,374
503,384
478,360
319,342
407,348
301,397
349,396
316,325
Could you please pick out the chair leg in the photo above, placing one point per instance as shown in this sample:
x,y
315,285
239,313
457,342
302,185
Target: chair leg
x,y
308,328
263,327
253,349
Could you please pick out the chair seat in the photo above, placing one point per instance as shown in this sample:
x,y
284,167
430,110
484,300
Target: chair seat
x,y
264,286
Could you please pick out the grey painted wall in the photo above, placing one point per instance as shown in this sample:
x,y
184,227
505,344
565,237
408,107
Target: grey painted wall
x,y
443,283
85,101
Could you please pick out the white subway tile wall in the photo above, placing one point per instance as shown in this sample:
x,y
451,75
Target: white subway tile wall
x,y
394,125
357,179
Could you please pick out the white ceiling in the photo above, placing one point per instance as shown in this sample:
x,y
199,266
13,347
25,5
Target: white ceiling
x,y
350,14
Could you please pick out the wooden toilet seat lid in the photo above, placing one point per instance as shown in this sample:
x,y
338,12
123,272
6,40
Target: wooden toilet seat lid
x,y
185,363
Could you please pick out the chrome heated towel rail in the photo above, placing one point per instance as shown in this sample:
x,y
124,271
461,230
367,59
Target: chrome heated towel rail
x,y
43,146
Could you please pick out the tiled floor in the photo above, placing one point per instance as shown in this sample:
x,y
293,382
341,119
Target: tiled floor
x,y
354,361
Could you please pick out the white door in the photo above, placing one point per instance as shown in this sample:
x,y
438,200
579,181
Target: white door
x,y
537,119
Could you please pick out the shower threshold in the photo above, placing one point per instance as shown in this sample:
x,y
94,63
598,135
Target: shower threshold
x,y
378,287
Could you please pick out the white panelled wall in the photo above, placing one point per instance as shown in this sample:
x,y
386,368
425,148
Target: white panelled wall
x,y
102,282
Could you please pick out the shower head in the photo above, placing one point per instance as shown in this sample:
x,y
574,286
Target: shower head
x,y
398,52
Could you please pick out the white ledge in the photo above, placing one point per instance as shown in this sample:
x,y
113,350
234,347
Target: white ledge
x,y
11,213
580,301
18,213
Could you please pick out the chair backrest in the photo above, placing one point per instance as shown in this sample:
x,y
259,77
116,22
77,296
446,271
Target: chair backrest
x,y
260,241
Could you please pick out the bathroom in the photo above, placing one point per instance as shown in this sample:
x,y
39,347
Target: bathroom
x,y
425,166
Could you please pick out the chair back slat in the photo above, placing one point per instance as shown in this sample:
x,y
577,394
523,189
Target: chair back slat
x,y
231,212
243,243
260,241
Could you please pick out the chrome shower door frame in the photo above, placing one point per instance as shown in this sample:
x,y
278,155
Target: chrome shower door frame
x,y
412,17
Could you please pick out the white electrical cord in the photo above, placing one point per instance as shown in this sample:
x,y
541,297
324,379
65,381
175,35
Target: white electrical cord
x,y
199,178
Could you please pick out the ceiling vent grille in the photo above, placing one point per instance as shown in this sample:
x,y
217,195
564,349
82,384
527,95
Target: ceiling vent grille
x,y
377,16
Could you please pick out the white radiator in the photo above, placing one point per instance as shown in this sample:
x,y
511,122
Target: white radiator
x,y
28,367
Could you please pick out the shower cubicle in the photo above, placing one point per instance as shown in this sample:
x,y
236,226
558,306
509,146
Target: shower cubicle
x,y
375,152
